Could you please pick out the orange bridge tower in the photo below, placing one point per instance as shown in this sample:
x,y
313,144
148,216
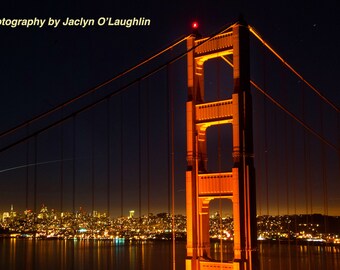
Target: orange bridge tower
x,y
239,184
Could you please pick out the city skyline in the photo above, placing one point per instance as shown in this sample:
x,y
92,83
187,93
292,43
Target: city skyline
x,y
48,224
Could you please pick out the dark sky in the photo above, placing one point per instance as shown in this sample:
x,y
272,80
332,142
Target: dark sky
x,y
41,68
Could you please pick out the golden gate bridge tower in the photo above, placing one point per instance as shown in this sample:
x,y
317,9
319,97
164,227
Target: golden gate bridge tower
x,y
239,184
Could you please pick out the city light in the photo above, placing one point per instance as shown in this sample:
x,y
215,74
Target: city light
x,y
50,224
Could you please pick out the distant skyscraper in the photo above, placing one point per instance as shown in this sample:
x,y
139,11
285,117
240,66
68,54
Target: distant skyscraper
x,y
4,216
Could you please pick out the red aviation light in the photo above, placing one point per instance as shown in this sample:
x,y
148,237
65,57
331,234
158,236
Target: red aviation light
x,y
195,25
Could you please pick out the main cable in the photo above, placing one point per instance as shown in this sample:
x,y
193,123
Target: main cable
x,y
257,87
120,90
257,35
92,90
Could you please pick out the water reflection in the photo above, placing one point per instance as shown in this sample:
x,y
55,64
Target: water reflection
x,y
222,252
292,256
91,254
87,254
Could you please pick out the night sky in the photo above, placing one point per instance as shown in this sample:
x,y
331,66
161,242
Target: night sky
x,y
44,67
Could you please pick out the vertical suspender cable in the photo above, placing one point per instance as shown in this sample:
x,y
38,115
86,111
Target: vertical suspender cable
x,y
276,177
35,181
286,163
27,167
92,160
305,156
257,122
108,166
139,154
74,165
172,163
266,155
121,157
265,138
173,176
167,96
169,135
259,172
275,161
259,181
265,120
294,177
324,172
148,144
61,167
168,130
286,148
307,183
139,89
338,132
311,203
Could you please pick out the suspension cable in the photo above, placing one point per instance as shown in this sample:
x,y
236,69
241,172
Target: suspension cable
x,y
92,90
119,91
257,35
108,184
139,153
266,141
35,177
286,172
306,177
121,157
27,167
148,146
169,135
92,165
74,165
324,173
301,122
61,167
172,167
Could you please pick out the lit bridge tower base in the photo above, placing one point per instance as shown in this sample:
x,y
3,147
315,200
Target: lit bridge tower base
x,y
239,184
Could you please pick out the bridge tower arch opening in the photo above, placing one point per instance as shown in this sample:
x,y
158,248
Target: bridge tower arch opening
x,y
203,186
